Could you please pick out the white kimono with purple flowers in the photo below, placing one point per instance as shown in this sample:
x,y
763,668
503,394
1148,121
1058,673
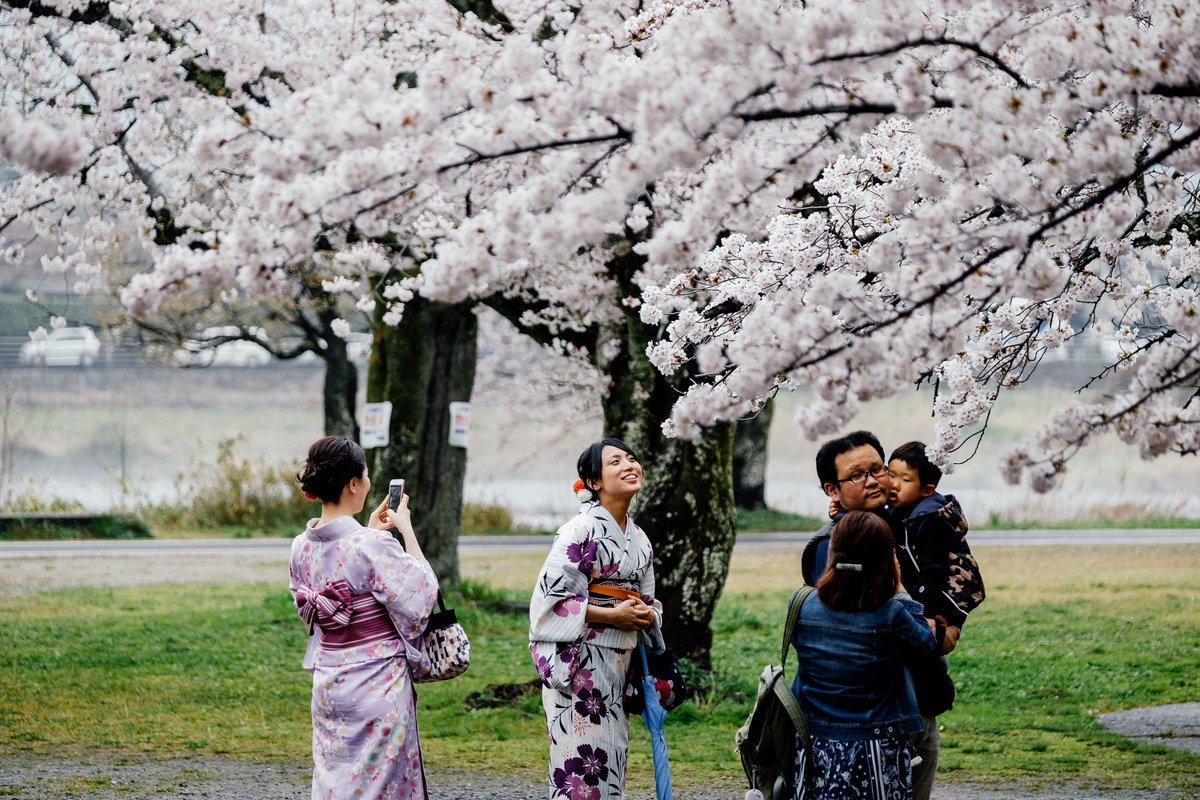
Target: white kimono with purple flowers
x,y
365,602
583,666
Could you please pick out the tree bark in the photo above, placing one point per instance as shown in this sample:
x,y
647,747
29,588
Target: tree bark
x,y
750,459
421,366
340,388
686,502
686,508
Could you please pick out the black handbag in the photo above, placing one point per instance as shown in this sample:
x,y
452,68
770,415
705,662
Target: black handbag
x,y
935,687
668,680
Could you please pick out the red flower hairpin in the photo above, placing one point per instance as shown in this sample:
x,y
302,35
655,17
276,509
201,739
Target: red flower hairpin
x,y
578,486
310,496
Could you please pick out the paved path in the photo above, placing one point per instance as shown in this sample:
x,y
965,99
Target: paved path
x,y
1176,725
538,543
100,777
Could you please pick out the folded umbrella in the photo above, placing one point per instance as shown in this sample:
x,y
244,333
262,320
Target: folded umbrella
x,y
654,715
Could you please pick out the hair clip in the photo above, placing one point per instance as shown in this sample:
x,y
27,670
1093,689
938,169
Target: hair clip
x,y
848,567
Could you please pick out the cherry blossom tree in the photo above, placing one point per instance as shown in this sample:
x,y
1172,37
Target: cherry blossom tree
x,y
112,96
848,196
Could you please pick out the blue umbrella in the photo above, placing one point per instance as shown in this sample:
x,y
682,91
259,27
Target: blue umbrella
x,y
654,715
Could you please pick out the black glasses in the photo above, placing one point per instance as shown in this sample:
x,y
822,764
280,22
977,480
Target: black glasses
x,y
861,478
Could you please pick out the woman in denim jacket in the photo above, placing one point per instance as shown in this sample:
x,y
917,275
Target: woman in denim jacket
x,y
853,638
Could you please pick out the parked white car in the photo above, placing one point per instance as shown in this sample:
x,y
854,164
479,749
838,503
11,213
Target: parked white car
x,y
64,347
358,347
208,351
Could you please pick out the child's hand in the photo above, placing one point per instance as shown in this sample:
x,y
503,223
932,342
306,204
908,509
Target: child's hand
x,y
950,639
835,508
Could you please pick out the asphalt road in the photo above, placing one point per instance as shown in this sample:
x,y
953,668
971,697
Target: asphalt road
x,y
538,543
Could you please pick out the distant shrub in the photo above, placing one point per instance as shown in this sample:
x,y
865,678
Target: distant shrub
x,y
28,497
481,519
58,525
234,491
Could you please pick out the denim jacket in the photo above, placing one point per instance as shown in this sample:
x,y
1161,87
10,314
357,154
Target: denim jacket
x,y
851,679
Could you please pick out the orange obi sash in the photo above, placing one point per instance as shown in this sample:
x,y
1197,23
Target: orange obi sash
x,y
618,590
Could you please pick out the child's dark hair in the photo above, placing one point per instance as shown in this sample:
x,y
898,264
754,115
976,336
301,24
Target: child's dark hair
x,y
331,463
862,574
589,465
913,454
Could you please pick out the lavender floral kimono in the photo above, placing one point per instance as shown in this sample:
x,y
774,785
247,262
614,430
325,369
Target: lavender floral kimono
x,y
365,602
583,666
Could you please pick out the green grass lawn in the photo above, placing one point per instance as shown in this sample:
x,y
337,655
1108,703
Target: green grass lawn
x,y
1065,634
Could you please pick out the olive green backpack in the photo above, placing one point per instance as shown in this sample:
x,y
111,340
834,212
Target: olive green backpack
x,y
767,742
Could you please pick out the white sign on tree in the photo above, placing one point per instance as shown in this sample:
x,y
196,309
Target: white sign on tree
x,y
460,424
376,420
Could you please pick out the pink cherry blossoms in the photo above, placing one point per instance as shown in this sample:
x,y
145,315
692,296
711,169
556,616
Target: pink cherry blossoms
x,y
853,197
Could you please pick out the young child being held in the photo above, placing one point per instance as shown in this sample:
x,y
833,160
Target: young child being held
x,y
936,561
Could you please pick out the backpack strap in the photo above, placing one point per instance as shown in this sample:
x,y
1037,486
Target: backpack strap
x,y
793,614
783,690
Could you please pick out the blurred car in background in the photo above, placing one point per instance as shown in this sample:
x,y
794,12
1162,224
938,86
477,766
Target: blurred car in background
x,y
358,347
218,347
64,347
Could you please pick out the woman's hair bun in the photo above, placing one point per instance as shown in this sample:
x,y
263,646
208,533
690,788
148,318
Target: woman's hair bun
x,y
332,462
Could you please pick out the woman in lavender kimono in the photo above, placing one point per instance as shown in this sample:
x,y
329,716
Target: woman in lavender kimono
x,y
365,600
594,594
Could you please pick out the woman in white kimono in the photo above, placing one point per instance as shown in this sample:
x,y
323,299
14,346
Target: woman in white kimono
x,y
594,594
365,600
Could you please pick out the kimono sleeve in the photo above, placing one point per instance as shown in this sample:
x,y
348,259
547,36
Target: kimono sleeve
x,y
557,609
403,584
646,589
559,602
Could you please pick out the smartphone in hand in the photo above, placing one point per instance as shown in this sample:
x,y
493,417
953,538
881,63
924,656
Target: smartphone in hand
x,y
395,493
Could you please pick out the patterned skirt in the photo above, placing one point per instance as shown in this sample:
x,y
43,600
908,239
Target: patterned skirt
x,y
872,769
589,729
365,733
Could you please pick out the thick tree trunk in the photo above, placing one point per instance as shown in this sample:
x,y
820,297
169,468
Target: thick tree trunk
x,y
340,391
686,507
750,459
686,502
421,366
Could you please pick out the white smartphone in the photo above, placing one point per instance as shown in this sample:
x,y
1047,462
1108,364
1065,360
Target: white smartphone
x,y
395,493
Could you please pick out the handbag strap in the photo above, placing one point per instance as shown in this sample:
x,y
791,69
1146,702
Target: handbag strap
x,y
783,691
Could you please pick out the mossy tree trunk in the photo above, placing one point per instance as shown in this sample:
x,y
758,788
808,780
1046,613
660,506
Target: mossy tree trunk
x,y
340,387
421,366
686,502
750,459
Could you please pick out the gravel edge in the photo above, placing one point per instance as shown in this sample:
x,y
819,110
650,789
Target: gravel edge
x,y
108,777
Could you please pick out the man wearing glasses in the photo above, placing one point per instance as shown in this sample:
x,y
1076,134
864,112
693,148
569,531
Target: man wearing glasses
x,y
854,474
